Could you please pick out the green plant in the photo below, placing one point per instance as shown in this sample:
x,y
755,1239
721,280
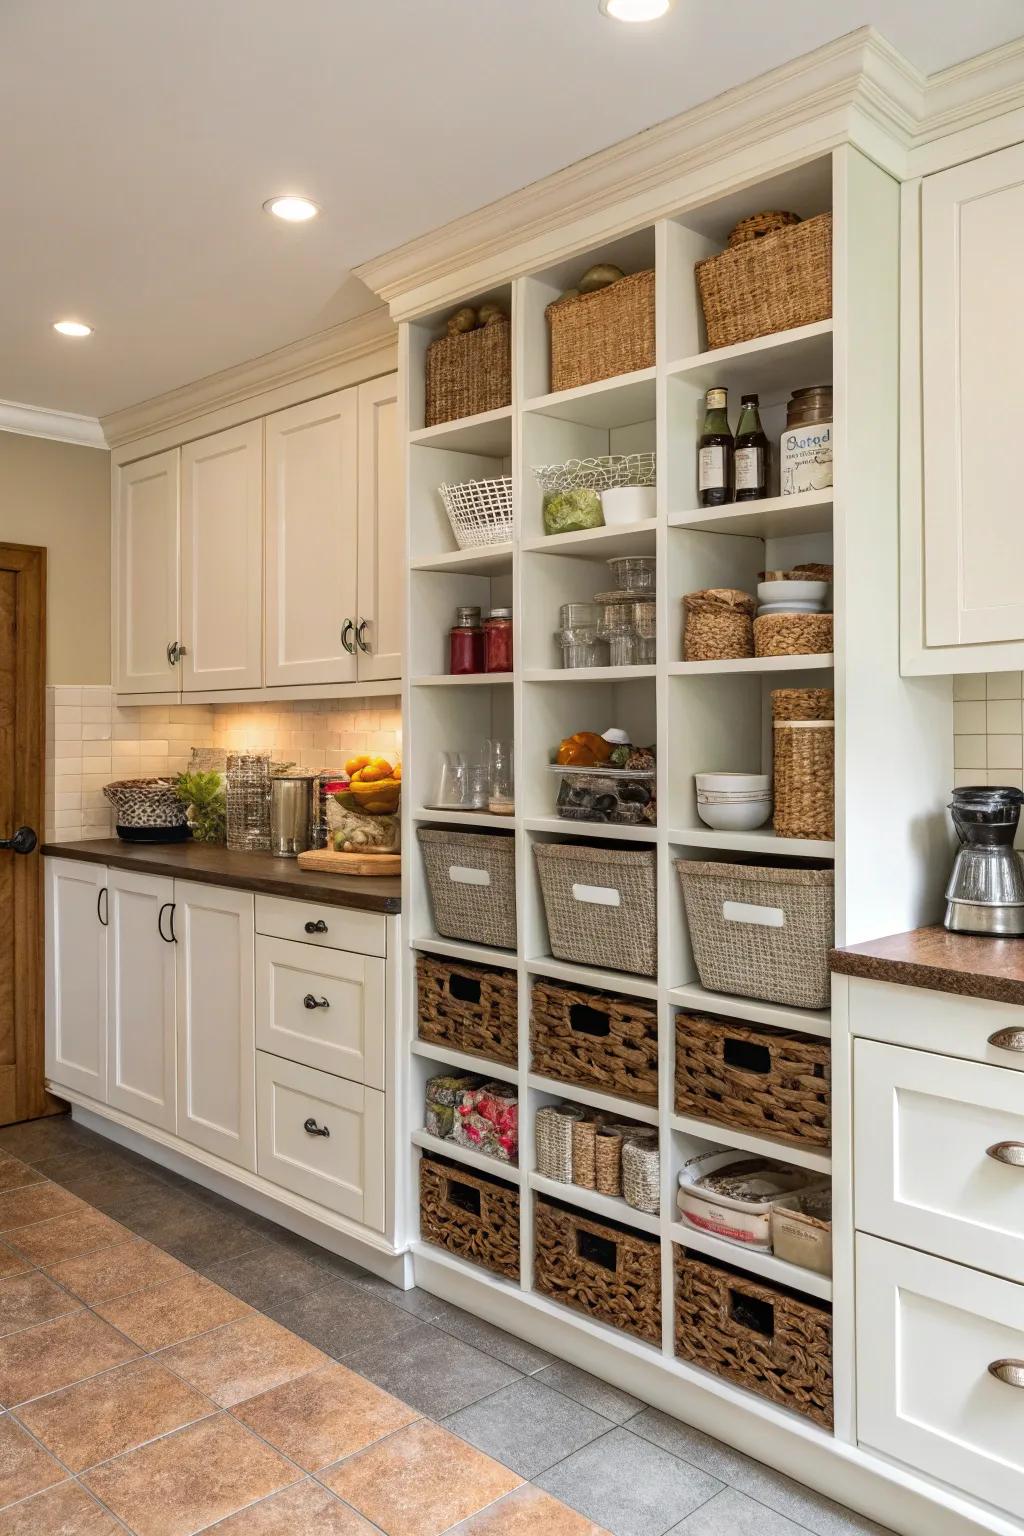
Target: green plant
x,y
203,793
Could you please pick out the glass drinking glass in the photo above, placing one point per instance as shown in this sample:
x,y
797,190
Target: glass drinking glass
x,y
501,800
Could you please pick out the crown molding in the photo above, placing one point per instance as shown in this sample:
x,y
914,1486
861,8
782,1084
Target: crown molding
x,y
971,92
59,426
361,337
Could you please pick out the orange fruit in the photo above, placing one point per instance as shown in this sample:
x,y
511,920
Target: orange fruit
x,y
354,764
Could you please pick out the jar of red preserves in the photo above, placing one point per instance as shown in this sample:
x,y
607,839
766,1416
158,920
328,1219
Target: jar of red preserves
x,y
498,641
466,643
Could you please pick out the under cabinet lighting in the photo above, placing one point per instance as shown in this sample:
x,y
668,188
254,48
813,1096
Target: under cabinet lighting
x,y
634,10
72,328
294,210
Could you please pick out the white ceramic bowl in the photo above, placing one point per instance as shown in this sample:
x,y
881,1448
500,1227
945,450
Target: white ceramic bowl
x,y
745,783
737,816
792,591
629,503
794,605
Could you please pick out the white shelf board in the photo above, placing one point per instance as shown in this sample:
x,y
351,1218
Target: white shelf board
x,y
774,517
761,840
462,818
593,976
484,560
587,674
615,402
785,359
822,662
763,1264
465,1061
612,1207
489,433
743,1141
562,827
477,954
462,680
600,543
491,1165
596,1100
810,1021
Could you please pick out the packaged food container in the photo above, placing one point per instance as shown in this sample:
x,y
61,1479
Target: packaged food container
x,y
572,511
620,795
731,1194
633,573
802,1229
805,449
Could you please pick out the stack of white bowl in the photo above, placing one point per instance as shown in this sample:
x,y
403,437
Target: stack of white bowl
x,y
785,596
734,802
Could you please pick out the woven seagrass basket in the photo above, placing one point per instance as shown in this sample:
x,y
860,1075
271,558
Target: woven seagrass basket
x,y
472,1008
776,281
471,1215
595,1039
803,704
469,373
792,634
804,778
641,1171
553,1127
718,625
597,335
772,1082
600,905
611,1273
472,882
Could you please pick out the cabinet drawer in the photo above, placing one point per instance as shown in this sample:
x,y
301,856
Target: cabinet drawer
x,y
927,1333
324,1008
969,1027
344,1169
923,1126
311,922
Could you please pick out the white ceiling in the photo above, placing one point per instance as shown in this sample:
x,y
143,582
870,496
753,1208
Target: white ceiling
x,y
141,138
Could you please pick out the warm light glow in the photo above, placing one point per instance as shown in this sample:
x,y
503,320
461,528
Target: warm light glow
x,y
634,10
294,210
72,328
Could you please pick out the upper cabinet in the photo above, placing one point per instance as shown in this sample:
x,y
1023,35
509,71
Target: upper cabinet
x,y
146,575
379,631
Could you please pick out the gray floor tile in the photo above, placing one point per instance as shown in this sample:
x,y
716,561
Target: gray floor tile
x,y
692,1445
339,1320
432,1372
731,1513
270,1276
527,1427
100,1182
517,1353
611,1402
34,1140
628,1486
181,1226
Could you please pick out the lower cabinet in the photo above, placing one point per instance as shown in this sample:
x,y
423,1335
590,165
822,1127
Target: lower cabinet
x,y
76,976
140,997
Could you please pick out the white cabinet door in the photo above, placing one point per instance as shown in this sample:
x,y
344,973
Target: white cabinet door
x,y
216,1093
222,559
311,497
972,234
380,626
146,619
140,996
76,977
321,1007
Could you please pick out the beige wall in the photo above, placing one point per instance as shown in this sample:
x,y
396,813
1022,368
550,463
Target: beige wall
x,y
58,495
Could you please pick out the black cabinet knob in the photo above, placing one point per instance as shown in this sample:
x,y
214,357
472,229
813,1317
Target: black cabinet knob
x,y
318,927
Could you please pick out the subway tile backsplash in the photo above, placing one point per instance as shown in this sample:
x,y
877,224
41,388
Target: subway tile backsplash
x,y
988,729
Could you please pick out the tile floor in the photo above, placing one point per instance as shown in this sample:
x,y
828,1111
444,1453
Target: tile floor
x,y
170,1364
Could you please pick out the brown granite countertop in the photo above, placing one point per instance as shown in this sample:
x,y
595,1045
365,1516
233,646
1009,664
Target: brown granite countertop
x,y
943,962
261,872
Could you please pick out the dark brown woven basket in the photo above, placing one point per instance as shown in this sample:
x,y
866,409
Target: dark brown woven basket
x,y
773,1341
759,286
469,373
595,1039
773,1082
611,1273
471,1008
471,1215
597,335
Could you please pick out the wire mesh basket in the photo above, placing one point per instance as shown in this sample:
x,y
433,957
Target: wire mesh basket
x,y
598,474
480,511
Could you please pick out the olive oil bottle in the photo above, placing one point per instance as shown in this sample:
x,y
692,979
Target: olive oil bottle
x,y
715,451
751,452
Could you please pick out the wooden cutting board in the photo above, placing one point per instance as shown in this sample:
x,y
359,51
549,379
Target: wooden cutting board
x,y
328,862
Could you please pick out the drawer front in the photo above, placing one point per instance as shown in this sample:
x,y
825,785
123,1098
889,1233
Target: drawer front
x,y
968,1027
310,922
324,1008
923,1126
342,1170
927,1332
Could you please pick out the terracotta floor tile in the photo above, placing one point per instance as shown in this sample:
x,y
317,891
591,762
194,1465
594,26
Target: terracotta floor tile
x,y
529,1512
11,1263
56,1354
16,1175
176,1310
242,1359
106,1273
320,1418
24,1466
66,1236
66,1510
31,1298
305,1510
188,1480
113,1413
37,1202
420,1481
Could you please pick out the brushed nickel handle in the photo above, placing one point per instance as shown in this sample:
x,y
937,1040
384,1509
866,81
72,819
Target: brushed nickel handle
x,y
175,651
1010,1371
1011,1039
312,1129
1009,1152
313,1002
359,638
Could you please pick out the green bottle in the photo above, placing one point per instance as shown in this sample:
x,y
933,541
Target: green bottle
x,y
715,451
751,454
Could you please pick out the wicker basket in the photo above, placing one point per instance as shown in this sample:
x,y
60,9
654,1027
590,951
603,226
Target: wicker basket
x,y
471,1215
773,1082
776,282
773,1341
472,1008
597,335
584,1152
600,905
609,1272
719,625
760,224
472,881
804,778
778,961
480,511
595,1039
803,704
553,1128
641,1172
608,1160
793,634
469,373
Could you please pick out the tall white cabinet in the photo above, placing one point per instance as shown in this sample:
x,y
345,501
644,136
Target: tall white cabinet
x,y
379,636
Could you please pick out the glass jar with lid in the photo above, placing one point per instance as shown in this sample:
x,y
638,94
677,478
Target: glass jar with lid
x,y
498,641
466,643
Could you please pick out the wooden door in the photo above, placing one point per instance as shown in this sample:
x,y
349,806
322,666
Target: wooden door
x,y
216,1085
140,996
22,683
76,976
380,627
222,559
146,619
311,494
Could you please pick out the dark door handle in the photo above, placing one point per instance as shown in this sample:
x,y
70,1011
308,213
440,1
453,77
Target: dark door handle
x,y
346,631
318,927
103,905
312,1129
314,1002
168,906
360,640
23,841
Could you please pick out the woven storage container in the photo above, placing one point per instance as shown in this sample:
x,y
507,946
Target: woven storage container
x,y
804,778
584,1152
608,1160
803,704
595,1039
641,1171
779,962
597,335
773,1082
471,1008
766,1338
553,1127
792,634
469,373
471,1215
760,224
611,1273
600,905
718,625
772,283
472,882
480,511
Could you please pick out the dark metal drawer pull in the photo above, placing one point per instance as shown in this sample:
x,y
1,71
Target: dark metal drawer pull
x,y
1010,1371
318,927
1009,1152
313,1002
312,1129
168,906
1008,1040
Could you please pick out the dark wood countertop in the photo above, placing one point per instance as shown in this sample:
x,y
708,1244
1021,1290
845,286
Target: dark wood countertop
x,y
931,957
261,872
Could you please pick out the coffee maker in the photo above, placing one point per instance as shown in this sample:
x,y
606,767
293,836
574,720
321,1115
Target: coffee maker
x,y
985,893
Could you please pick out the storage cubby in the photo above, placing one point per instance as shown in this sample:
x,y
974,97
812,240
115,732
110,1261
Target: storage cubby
x,y
433,544
420,335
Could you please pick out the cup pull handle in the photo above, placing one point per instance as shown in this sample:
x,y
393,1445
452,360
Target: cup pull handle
x,y
1009,1371
312,1129
1008,1040
1009,1152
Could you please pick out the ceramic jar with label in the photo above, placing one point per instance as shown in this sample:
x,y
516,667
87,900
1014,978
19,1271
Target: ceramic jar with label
x,y
805,448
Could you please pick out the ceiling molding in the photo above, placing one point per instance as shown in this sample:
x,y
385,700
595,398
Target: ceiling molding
x,y
60,426
970,92
353,339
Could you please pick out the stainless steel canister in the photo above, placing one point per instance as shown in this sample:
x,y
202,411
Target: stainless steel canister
x,y
291,813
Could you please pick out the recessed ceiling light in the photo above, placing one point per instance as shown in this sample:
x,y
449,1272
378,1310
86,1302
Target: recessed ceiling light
x,y
72,328
294,210
634,10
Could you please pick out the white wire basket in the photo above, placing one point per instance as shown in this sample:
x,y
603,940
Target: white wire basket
x,y
598,474
480,511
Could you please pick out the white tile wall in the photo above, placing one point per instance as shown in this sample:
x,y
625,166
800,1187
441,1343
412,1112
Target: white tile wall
x,y
988,729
